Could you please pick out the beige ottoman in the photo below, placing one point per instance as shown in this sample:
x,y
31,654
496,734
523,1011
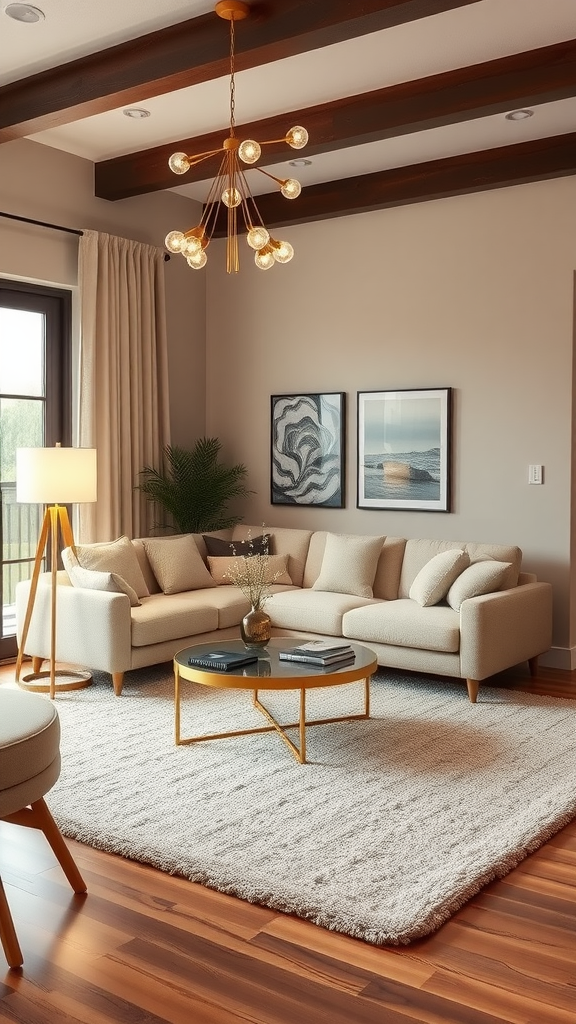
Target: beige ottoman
x,y
29,767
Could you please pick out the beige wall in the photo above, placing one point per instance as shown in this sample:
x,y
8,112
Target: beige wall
x,y
475,293
45,184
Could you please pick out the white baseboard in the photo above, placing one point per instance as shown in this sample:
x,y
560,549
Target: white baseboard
x,y
559,657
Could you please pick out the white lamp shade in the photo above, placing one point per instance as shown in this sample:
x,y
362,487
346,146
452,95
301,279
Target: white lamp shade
x,y
55,476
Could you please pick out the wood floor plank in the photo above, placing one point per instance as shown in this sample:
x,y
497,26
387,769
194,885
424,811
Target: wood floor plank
x,y
510,1006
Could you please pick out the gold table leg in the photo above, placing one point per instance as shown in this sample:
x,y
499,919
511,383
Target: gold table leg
x,y
275,726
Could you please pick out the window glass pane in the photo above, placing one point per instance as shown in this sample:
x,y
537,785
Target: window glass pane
x,y
21,426
21,352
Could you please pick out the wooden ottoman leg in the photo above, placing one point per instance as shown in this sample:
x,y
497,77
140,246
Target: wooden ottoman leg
x,y
10,942
46,823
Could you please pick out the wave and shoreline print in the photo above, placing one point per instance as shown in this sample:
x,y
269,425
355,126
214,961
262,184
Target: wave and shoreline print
x,y
406,476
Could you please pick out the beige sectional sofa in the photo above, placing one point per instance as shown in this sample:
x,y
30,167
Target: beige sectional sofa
x,y
410,600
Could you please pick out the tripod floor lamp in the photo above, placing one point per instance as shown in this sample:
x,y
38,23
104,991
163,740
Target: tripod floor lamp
x,y
54,477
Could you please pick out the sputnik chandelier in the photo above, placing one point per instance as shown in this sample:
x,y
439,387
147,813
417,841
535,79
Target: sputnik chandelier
x,y
231,188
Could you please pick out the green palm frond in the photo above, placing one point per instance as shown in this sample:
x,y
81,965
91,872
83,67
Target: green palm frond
x,y
194,488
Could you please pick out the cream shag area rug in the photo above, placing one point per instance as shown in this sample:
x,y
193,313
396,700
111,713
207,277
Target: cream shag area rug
x,y
392,826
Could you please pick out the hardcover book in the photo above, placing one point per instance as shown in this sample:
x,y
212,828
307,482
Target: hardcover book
x,y
222,661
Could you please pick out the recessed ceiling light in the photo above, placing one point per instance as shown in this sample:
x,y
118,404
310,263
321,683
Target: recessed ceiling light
x,y
300,163
519,115
24,12
136,112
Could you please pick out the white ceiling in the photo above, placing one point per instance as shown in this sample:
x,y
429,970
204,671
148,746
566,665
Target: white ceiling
x,y
480,32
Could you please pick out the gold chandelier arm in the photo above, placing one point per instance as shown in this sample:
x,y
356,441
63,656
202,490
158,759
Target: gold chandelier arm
x,y
280,181
203,156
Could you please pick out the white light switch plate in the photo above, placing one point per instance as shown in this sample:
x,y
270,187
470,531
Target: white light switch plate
x,y
536,474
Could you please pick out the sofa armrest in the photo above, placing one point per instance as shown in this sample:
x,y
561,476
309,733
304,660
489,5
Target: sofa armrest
x,y
93,627
503,629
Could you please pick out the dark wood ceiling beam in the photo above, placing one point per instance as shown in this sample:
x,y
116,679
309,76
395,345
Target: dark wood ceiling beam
x,y
191,52
438,179
536,76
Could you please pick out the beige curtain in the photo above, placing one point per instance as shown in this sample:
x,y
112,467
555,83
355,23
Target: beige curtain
x,y
123,389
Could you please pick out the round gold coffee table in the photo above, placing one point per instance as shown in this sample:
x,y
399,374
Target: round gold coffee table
x,y
270,673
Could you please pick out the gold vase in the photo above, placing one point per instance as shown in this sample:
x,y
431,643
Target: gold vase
x,y
256,628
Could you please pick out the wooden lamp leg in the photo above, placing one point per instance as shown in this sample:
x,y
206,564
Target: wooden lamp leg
x,y
55,517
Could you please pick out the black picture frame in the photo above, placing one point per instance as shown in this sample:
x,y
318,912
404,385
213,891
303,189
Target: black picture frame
x,y
307,449
404,450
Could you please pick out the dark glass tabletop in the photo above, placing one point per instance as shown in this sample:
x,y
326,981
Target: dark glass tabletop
x,y
272,672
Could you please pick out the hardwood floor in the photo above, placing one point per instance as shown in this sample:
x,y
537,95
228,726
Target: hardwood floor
x,y
143,947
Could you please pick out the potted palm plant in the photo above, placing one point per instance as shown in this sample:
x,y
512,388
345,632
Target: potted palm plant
x,y
193,488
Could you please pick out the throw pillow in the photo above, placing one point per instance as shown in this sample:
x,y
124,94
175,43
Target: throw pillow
x,y
483,577
177,564
435,578
220,567
96,579
257,546
349,564
118,556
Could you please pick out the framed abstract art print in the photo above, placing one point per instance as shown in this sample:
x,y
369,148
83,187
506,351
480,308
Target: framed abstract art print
x,y
307,449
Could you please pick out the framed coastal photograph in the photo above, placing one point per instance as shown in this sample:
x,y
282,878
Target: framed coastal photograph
x,y
307,449
404,449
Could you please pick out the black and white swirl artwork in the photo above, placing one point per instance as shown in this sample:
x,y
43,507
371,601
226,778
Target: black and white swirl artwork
x,y
307,450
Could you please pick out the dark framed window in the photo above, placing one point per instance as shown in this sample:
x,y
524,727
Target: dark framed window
x,y
35,410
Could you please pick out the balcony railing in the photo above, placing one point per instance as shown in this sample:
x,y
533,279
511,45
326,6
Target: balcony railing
x,y
20,530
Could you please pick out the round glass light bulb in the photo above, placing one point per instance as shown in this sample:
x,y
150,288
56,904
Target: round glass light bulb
x,y
191,245
257,237
179,163
249,151
291,188
197,260
264,260
283,252
231,197
297,137
174,241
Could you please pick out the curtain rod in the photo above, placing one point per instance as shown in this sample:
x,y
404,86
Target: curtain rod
x,y
55,227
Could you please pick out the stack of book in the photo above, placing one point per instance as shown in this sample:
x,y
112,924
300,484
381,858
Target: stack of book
x,y
319,652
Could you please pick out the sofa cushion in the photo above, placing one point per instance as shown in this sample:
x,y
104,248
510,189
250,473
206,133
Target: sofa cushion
x,y
284,541
479,578
273,568
310,611
260,545
118,556
177,563
163,617
349,564
436,577
404,623
96,579
418,551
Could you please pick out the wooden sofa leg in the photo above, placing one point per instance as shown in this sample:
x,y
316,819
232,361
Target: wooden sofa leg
x,y
533,666
473,687
8,937
37,664
117,682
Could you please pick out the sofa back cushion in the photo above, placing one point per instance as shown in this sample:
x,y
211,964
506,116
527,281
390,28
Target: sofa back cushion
x,y
177,563
387,579
349,564
293,543
117,556
418,552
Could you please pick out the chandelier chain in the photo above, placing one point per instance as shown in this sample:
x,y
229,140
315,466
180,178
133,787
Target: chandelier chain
x,y
232,80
